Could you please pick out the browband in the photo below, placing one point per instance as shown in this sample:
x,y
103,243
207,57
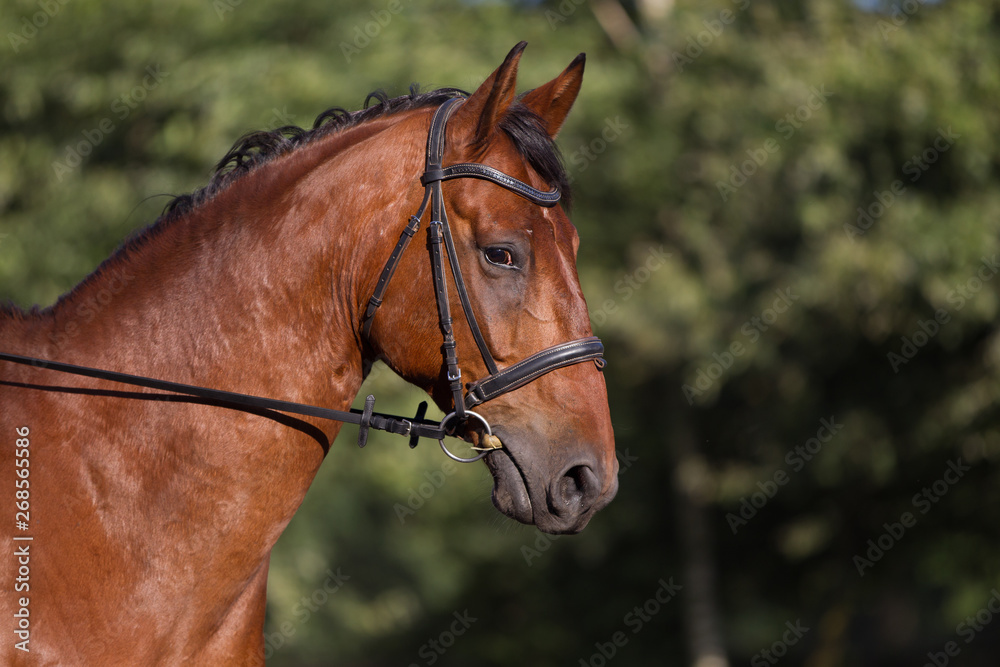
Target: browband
x,y
474,170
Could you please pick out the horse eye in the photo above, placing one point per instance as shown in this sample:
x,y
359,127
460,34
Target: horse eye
x,y
499,256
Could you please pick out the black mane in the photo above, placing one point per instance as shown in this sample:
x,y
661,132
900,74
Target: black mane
x,y
523,126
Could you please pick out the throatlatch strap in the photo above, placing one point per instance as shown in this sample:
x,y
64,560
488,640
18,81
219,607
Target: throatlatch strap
x,y
390,268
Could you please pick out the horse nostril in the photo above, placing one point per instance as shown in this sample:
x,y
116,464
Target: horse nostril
x,y
576,491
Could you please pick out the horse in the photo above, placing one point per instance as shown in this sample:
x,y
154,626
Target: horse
x,y
145,517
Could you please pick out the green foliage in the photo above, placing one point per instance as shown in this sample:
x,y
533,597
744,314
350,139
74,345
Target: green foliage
x,y
789,213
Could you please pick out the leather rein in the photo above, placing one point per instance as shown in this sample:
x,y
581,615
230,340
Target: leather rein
x,y
498,381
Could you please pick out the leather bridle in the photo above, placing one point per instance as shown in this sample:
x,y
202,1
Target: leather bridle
x,y
497,383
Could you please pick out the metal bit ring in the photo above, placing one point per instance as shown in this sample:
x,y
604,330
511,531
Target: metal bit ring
x,y
472,459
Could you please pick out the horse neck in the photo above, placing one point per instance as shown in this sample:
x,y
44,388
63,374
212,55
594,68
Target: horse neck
x,y
259,289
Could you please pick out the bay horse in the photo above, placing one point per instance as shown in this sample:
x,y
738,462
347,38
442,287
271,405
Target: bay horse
x,y
145,518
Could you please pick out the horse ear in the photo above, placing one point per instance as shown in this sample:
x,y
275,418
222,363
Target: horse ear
x,y
485,107
552,101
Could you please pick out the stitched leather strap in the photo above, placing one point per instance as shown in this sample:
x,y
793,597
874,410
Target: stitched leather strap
x,y
472,170
390,268
538,364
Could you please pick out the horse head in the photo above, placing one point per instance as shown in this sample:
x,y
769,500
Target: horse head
x,y
557,463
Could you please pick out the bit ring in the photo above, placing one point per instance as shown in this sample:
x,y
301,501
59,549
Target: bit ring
x,y
454,457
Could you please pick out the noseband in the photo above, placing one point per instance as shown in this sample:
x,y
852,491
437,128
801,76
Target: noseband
x,y
496,383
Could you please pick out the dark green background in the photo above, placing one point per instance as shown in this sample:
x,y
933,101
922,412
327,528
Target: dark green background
x,y
728,144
